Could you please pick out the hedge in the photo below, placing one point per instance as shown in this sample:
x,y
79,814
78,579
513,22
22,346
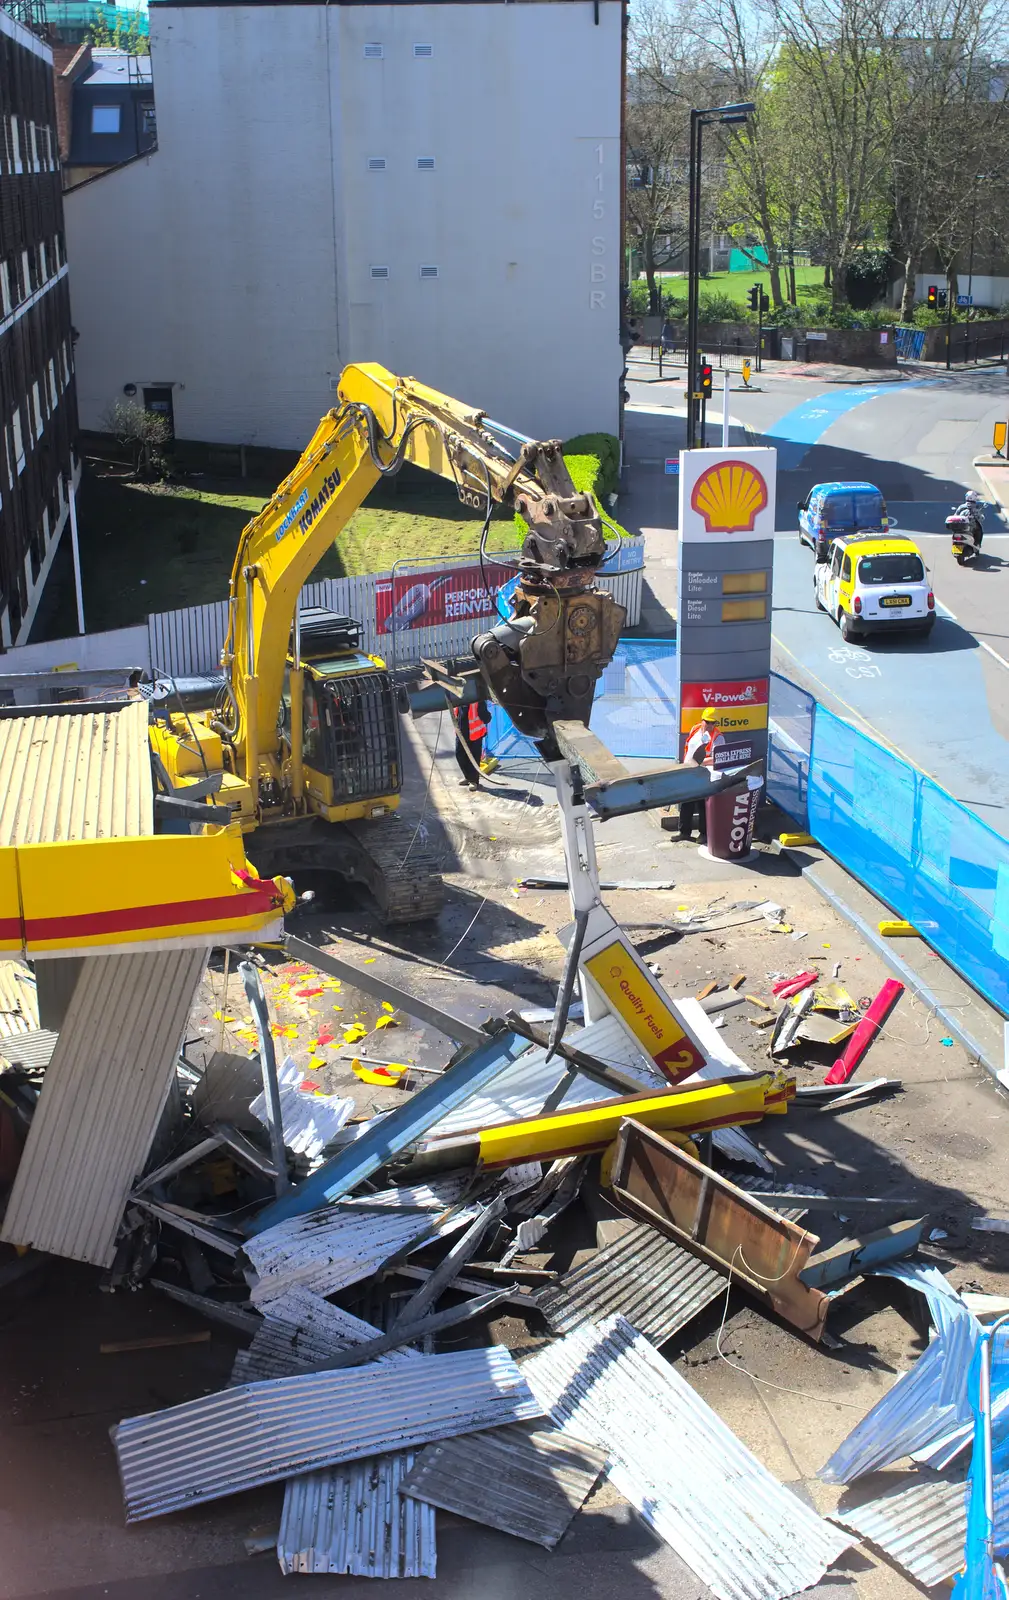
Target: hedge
x,y
593,460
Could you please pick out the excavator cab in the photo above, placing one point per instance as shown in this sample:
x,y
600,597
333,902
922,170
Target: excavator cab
x,y
350,727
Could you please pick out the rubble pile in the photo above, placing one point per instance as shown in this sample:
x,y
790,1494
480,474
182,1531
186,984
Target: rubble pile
x,y
451,1263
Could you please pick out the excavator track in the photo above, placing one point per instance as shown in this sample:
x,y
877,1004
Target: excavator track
x,y
387,857
398,870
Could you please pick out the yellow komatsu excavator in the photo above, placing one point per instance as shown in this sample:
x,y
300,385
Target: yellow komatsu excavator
x,y
303,743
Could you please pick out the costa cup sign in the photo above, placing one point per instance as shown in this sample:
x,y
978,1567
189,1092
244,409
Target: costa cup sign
x,y
727,496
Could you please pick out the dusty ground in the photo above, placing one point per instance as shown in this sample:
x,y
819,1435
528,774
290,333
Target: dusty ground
x,y
939,1146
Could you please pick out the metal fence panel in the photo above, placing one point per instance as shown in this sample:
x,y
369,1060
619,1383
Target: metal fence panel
x,y
790,740
910,343
188,642
936,863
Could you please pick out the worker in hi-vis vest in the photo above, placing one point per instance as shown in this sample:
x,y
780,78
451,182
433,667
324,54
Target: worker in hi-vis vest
x,y
471,724
703,741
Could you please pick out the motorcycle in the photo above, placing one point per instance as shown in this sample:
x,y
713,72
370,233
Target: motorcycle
x,y
966,527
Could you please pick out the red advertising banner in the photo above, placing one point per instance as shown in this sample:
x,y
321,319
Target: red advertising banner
x,y
426,599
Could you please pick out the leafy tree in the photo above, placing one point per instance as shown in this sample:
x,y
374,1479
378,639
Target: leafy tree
x,y
125,35
145,434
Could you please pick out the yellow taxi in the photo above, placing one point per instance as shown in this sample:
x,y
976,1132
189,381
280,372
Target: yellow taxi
x,y
874,583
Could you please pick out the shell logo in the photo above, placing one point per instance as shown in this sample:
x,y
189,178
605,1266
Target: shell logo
x,y
729,496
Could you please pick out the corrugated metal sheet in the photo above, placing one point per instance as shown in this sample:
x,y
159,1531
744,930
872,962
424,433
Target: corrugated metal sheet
x,y
101,1100
75,775
523,1088
298,1332
350,1518
652,1281
309,1121
263,1432
526,1482
29,1050
738,1529
921,1408
19,1005
921,1523
327,1250
354,1520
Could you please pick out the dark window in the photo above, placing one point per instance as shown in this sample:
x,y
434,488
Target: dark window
x,y
903,568
846,569
160,401
854,511
148,120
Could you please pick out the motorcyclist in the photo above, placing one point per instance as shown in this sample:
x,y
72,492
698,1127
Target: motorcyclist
x,y
973,508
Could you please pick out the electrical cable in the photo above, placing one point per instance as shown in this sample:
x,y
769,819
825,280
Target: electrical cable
x,y
782,1388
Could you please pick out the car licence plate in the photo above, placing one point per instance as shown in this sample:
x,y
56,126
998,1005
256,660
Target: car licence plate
x,y
896,600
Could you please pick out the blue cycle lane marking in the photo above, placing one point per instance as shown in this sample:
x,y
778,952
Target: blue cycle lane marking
x,y
926,699
806,424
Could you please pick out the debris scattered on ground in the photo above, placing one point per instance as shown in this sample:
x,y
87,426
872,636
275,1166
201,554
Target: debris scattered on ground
x,y
339,1212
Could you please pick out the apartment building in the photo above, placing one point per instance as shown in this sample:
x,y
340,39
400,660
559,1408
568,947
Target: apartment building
x,y
38,411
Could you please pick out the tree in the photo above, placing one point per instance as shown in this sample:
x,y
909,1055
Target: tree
x,y
832,73
145,434
124,36
656,183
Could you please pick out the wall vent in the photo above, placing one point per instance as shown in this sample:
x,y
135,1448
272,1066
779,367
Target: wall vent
x,y
429,272
425,163
380,272
374,52
376,163
423,49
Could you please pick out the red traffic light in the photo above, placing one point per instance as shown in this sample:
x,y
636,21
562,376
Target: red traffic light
x,y
933,295
706,377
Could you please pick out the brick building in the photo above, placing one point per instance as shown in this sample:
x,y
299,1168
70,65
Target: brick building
x,y
38,406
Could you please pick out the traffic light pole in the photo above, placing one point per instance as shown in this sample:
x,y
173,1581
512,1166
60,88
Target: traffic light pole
x,y
949,322
693,268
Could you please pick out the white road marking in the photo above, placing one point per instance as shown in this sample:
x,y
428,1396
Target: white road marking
x,y
1000,659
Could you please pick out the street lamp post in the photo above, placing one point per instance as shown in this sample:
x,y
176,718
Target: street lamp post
x,y
699,120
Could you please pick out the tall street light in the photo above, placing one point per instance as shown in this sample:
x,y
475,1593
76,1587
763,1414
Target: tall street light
x,y
699,120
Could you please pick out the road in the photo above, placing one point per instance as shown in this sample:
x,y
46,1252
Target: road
x,y
943,703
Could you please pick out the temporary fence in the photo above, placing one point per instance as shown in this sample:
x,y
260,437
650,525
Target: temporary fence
x,y
910,343
419,609
937,864
634,712
790,726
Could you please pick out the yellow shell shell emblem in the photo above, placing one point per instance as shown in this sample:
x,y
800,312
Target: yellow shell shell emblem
x,y
728,496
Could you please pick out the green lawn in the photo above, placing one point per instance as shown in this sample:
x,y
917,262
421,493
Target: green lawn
x,y
738,284
155,547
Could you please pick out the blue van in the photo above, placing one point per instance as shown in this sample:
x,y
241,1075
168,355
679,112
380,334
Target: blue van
x,y
830,509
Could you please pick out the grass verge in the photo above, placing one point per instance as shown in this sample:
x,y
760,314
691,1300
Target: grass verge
x,y
156,547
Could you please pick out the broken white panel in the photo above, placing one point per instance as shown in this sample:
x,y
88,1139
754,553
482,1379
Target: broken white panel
x,y
310,1121
687,1475
723,1062
102,1098
523,1089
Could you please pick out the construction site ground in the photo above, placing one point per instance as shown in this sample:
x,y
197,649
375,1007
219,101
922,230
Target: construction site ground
x,y
940,1145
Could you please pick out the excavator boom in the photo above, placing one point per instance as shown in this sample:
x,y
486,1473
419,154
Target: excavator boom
x,y
565,626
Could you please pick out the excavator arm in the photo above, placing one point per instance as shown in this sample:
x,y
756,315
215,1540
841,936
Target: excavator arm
x,y
542,664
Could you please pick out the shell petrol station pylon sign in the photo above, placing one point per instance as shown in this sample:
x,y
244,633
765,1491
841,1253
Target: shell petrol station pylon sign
x,y
726,555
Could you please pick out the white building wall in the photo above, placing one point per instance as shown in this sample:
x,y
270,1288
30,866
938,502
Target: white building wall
x,y
235,263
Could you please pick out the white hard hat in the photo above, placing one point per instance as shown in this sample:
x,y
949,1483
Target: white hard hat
x,y
973,495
